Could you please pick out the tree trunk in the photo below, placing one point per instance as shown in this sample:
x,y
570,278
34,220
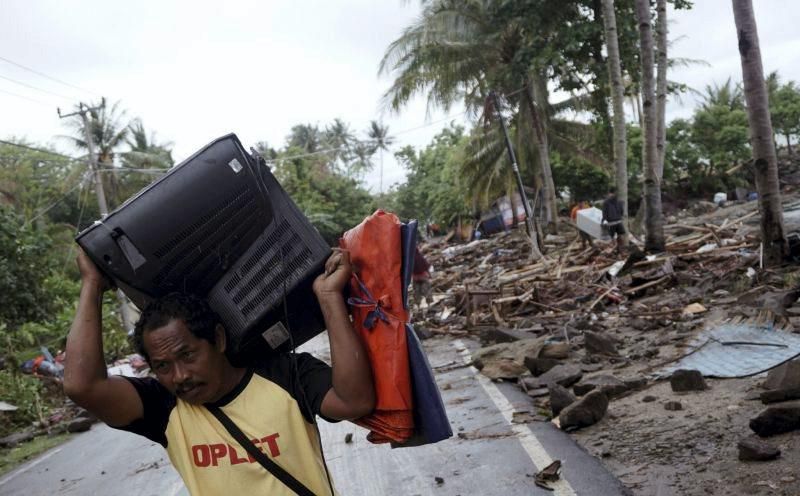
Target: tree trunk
x,y
618,99
654,218
543,149
661,85
761,137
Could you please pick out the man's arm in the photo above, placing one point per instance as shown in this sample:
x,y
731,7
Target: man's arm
x,y
353,394
113,400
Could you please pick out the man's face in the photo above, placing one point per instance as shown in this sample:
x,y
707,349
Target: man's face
x,y
189,367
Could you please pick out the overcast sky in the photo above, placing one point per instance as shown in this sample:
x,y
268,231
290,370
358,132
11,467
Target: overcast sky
x,y
193,71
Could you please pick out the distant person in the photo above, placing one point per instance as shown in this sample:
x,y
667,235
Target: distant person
x,y
613,212
421,278
586,239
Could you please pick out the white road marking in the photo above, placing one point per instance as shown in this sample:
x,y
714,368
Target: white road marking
x,y
29,466
530,443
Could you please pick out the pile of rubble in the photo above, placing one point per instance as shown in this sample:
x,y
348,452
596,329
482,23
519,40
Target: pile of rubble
x,y
591,338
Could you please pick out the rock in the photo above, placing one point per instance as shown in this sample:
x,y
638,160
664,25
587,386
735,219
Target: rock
x,y
584,412
785,376
439,480
649,399
80,424
598,343
558,349
506,360
777,420
422,333
673,406
752,449
560,398
565,375
778,395
588,368
14,439
687,380
634,384
610,385
348,438
539,366
538,392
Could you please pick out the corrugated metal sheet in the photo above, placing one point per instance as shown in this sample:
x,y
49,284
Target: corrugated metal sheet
x,y
737,350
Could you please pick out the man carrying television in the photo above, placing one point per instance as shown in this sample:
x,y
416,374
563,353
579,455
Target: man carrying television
x,y
274,405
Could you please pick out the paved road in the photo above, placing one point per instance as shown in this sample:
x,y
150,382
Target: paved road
x,y
492,455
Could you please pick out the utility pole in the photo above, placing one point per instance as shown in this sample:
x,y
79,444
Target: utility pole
x,y
530,226
83,111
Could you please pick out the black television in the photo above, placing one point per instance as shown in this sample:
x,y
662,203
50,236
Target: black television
x,y
220,226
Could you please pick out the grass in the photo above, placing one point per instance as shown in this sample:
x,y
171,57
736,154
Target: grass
x,y
13,457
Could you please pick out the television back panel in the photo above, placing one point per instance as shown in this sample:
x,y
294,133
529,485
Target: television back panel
x,y
220,226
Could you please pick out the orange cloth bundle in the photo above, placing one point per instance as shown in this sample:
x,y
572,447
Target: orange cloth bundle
x,y
376,299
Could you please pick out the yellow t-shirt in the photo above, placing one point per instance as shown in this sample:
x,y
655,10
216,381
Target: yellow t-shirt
x,y
266,406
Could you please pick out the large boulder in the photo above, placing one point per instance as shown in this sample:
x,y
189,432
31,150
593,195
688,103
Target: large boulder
x,y
683,380
599,343
539,366
752,449
564,375
80,424
785,376
506,360
610,385
14,439
777,420
584,412
560,398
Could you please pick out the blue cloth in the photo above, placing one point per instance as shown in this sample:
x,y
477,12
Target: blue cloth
x,y
408,238
431,424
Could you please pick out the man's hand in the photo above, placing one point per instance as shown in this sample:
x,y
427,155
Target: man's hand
x,y
90,274
336,276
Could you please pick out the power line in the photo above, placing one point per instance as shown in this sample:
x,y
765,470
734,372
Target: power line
x,y
51,78
35,88
26,98
55,203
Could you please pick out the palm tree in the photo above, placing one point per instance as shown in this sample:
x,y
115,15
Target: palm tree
x,y
381,141
654,218
144,152
460,49
340,139
146,159
108,128
761,134
617,98
306,137
661,86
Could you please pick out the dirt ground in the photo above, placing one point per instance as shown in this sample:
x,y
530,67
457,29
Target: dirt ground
x,y
692,451
652,450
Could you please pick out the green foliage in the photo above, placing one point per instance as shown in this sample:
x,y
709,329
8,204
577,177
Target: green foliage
x,y
584,180
24,392
434,191
784,106
24,264
333,201
720,129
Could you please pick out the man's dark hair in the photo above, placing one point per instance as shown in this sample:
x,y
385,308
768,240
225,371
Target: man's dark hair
x,y
195,312
612,190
